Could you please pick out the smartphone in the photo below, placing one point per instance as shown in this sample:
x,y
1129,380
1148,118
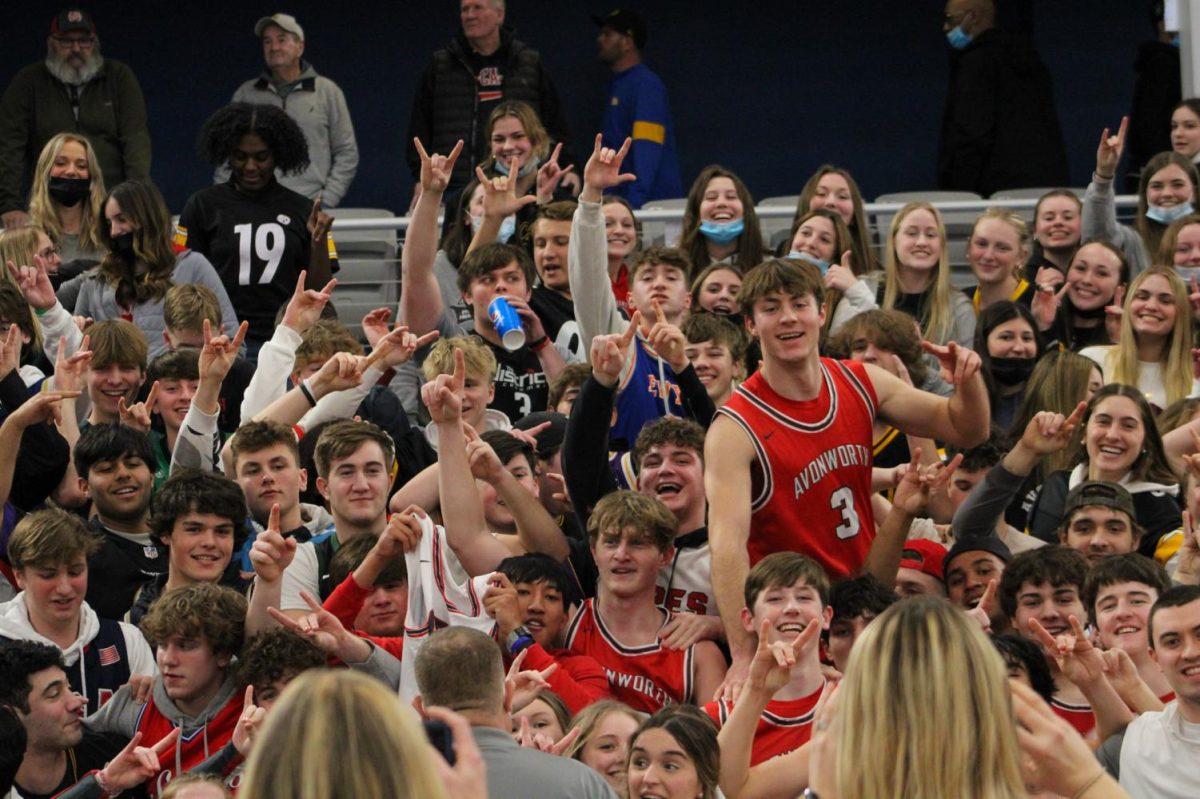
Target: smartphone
x,y
442,739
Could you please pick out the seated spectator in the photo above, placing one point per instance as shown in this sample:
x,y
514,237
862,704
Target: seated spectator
x,y
855,603
520,149
48,552
785,593
716,349
822,239
67,201
117,371
1057,220
36,449
1077,314
920,571
1180,247
29,245
978,514
916,278
1154,349
676,748
461,669
479,388
1185,128
1152,756
833,188
1099,521
113,464
271,660
197,633
237,225
565,388
606,729
379,604
549,431
1025,663
997,249
59,750
31,367
198,517
719,221
973,567
1119,593
631,538
1010,346
549,236
543,722
715,290
623,235
1166,191
174,377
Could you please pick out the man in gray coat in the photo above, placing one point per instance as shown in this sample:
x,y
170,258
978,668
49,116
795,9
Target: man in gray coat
x,y
314,101
460,668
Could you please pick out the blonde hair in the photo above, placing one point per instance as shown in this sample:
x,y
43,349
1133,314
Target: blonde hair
x,y
43,211
18,245
186,306
588,719
907,730
531,123
176,786
1122,360
938,320
477,358
324,731
1014,221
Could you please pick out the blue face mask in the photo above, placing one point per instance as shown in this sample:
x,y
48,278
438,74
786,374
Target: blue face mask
x,y
722,232
529,166
1165,216
817,262
507,228
958,38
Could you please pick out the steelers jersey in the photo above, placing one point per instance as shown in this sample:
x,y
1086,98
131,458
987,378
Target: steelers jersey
x,y
258,243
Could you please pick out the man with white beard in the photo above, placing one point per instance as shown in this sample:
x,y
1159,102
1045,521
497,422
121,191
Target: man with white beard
x,y
75,89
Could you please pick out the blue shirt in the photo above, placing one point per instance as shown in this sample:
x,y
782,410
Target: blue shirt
x,y
638,108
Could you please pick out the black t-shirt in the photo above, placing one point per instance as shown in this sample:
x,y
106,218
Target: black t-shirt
x,y
521,385
258,243
90,754
558,317
233,389
118,569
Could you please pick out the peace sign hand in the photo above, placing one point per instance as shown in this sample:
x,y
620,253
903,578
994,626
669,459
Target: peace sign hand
x,y
436,170
1108,154
1046,300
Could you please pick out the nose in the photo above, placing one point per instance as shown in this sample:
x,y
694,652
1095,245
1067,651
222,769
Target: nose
x,y
187,391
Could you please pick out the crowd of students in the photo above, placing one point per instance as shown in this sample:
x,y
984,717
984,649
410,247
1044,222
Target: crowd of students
x,y
631,554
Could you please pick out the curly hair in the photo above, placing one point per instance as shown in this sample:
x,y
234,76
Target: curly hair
x,y
223,131
682,433
890,330
18,660
193,491
203,611
275,655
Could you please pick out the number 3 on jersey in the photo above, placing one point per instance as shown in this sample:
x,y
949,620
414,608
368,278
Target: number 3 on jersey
x,y
842,501
265,244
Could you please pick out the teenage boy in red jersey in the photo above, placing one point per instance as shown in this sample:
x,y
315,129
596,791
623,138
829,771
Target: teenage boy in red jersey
x,y
788,458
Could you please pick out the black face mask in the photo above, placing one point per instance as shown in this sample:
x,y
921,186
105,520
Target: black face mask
x,y
1091,313
69,192
1012,371
123,244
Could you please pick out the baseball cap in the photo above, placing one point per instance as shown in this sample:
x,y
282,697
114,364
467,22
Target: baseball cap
x,y
924,556
72,19
989,543
550,438
285,21
626,22
1102,493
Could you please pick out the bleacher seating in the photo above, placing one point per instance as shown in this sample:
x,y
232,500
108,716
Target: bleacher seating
x,y
369,277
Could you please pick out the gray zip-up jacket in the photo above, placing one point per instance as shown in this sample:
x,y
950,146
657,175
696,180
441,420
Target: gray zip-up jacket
x,y
319,108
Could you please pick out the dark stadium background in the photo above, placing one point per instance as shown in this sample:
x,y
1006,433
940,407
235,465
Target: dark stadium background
x,y
769,88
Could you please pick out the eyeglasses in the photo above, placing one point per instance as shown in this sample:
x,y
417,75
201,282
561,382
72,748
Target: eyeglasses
x,y
72,42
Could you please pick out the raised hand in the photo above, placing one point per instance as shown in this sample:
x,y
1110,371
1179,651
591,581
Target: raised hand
x,y
771,668
527,684
1045,303
668,340
841,276
609,352
500,193
34,284
959,364
319,222
397,347
1049,432
534,330
531,740
341,372
248,724
402,534
69,371
983,610
320,626
376,324
436,170
1049,277
219,353
1188,571
304,308
10,351
484,462
1113,314
1077,659
500,602
549,176
271,553
1108,154
1056,758
45,406
443,395
135,764
138,414
603,170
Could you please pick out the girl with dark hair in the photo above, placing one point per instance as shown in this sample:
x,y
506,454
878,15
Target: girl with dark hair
x,y
623,233
719,221
674,753
258,234
1009,344
1185,129
1086,310
1057,226
834,189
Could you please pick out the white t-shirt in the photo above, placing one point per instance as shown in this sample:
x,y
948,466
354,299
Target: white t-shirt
x,y
1159,756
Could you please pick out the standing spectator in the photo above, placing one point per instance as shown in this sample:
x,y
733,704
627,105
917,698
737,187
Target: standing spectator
x,y
1157,87
467,78
638,109
314,101
75,89
1000,128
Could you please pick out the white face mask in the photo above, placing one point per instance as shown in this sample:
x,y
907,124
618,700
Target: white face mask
x,y
507,228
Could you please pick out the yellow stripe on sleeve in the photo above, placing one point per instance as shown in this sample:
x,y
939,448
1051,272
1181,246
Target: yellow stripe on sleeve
x,y
649,131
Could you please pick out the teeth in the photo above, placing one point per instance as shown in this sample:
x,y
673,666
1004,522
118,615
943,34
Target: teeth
x,y
1192,671
1127,629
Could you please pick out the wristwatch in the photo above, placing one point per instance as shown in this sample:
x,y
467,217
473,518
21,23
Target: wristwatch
x,y
518,639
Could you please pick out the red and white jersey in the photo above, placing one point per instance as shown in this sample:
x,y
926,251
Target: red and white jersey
x,y
685,584
648,677
811,492
784,726
1081,717
194,745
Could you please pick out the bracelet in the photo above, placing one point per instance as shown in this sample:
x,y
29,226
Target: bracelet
x,y
103,783
540,344
307,392
1088,784
40,312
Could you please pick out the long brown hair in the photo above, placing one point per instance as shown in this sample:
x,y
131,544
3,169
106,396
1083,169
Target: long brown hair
x,y
750,244
143,205
1151,231
864,252
1152,464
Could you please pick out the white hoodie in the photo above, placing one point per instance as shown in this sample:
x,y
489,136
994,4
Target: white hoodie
x,y
15,625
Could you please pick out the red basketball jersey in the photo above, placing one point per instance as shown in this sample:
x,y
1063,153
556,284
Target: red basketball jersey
x,y
812,489
194,746
647,678
783,727
1080,717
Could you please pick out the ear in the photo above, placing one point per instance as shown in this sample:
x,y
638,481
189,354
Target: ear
x,y
826,617
303,479
167,340
419,706
295,377
666,557
20,575
223,661
491,391
323,488
687,297
83,487
748,621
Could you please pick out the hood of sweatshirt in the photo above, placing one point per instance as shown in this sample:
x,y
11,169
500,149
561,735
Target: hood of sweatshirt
x,y
15,624
181,719
1079,474
492,420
